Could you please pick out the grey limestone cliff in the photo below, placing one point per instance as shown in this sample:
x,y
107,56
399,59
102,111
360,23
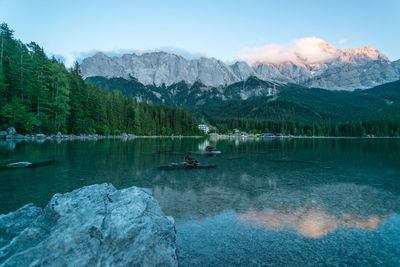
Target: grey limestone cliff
x,y
348,69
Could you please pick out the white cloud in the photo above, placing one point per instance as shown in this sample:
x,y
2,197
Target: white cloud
x,y
70,58
343,41
309,50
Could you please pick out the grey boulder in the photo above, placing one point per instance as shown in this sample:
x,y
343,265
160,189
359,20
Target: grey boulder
x,y
96,225
15,136
21,164
11,131
40,136
3,134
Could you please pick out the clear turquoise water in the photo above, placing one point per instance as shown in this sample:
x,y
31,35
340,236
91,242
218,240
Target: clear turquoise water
x,y
298,202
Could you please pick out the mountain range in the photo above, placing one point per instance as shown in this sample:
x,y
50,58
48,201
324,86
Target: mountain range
x,y
257,99
340,69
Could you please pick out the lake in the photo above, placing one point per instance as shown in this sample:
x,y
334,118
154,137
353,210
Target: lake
x,y
291,202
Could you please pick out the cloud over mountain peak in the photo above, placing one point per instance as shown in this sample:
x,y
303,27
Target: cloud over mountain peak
x,y
310,62
308,52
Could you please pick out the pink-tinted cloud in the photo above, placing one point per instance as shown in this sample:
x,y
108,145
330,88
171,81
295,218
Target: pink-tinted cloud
x,y
306,51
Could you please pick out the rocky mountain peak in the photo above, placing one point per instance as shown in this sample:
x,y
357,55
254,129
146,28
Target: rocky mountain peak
x,y
100,55
356,55
314,64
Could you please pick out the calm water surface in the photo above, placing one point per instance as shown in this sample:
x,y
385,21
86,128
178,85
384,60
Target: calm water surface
x,y
276,203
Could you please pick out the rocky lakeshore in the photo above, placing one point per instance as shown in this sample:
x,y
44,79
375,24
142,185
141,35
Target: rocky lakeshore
x,y
95,225
11,134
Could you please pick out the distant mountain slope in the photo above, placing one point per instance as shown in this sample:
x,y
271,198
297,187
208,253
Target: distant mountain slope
x,y
297,103
254,98
184,94
345,69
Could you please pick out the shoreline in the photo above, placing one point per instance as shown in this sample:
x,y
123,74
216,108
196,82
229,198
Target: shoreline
x,y
39,137
11,135
125,137
301,137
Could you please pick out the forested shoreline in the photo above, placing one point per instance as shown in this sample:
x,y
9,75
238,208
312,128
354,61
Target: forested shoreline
x,y
314,112
39,95
296,110
319,128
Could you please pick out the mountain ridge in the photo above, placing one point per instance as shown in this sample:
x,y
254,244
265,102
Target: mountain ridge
x,y
255,98
349,69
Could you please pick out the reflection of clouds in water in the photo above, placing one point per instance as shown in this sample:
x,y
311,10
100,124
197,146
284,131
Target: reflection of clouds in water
x,y
312,211
309,222
361,201
318,210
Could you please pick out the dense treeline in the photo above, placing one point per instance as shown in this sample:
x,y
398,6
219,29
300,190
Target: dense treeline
x,y
38,94
384,127
314,112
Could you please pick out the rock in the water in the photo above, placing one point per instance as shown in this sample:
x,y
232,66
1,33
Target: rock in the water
x,y
3,134
15,136
96,225
21,164
40,136
11,131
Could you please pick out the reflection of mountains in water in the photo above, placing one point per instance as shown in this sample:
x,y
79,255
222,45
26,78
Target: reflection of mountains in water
x,y
312,211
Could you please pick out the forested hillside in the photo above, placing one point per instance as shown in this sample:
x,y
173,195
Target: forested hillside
x,y
294,110
38,94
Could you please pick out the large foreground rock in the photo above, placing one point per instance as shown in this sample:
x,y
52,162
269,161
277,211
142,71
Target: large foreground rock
x,y
96,225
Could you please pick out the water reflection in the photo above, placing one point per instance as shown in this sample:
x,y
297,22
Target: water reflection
x,y
309,222
202,146
272,201
312,212
9,144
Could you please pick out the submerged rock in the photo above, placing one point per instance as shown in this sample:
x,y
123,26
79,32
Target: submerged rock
x,y
40,136
21,164
11,131
15,136
3,134
96,225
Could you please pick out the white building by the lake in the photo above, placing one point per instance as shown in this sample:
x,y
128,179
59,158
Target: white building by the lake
x,y
204,128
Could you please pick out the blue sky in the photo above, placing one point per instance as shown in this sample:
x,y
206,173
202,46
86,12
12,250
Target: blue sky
x,y
221,29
